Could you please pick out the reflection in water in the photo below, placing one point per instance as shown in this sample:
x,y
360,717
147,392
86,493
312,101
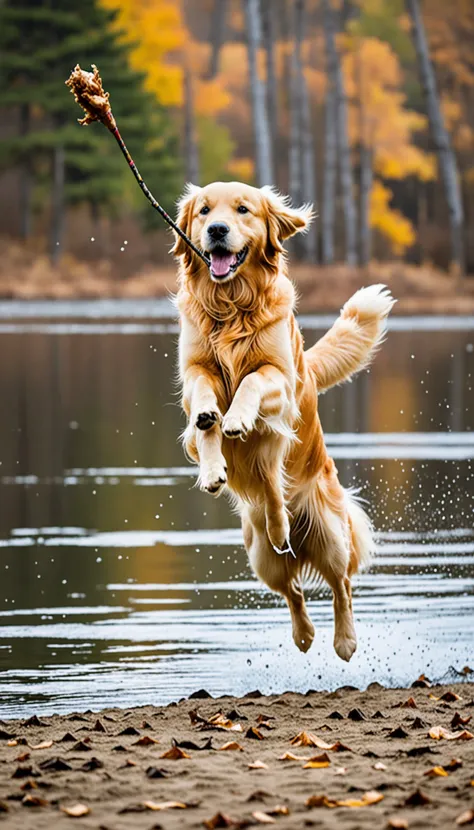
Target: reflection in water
x,y
122,583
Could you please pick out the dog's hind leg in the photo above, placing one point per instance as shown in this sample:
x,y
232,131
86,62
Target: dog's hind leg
x,y
279,573
333,565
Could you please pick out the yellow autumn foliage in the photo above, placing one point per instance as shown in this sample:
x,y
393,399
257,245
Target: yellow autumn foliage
x,y
395,227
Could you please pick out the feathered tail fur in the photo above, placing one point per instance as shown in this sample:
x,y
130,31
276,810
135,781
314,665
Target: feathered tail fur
x,y
352,341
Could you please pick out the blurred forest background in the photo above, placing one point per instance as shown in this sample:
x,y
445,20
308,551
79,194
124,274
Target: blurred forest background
x,y
363,107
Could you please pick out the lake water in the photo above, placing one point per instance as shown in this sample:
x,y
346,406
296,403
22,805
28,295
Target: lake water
x,y
122,584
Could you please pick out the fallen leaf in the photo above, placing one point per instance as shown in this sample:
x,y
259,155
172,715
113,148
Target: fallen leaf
x,y
34,721
67,737
231,746
217,722
418,723
219,820
13,742
308,739
191,745
23,757
438,732
145,740
379,766
257,765
55,765
318,762
366,800
410,703
288,756
164,805
465,818
254,733
436,771
92,764
378,715
6,736
24,772
43,745
80,746
336,716
175,754
454,764
200,694
399,732
98,726
153,772
259,795
279,810
129,730
76,811
450,697
30,784
421,683
145,725
397,824
459,721
34,801
340,771
356,714
263,818
417,799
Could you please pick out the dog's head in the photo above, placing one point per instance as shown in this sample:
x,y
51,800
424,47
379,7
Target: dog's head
x,y
237,226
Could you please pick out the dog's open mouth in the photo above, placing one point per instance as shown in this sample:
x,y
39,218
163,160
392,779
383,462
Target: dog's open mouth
x,y
224,262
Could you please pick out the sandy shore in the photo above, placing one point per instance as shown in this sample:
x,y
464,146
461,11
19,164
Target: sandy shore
x,y
380,758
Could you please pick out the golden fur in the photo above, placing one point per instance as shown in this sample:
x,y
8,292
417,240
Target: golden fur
x,y
245,374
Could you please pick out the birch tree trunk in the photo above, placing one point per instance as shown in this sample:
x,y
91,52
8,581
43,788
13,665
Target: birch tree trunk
x,y
57,205
26,179
328,208
263,154
440,137
345,166
217,35
191,150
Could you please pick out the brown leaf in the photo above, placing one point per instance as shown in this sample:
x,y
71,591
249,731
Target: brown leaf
x,y
30,784
145,740
263,818
76,811
288,756
129,730
450,697
438,732
340,771
410,703
129,763
459,721
156,772
12,742
34,721
23,757
192,745
164,805
24,772
98,726
399,732
81,746
257,765
55,765
436,771
278,810
43,745
174,754
254,733
366,800
454,764
34,801
308,739
219,820
397,824
417,799
421,683
318,762
356,715
68,737
379,766
465,818
231,746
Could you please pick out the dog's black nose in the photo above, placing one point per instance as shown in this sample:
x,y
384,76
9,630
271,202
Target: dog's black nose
x,y
218,231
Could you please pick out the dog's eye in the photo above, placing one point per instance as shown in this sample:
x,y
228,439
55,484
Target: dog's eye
x,y
242,209
204,210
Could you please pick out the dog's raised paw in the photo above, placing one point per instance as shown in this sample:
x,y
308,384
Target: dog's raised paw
x,y
206,420
213,479
345,647
236,426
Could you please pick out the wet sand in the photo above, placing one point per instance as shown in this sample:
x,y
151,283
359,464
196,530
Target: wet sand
x,y
373,752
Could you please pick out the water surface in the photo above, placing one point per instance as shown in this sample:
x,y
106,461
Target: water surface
x,y
123,584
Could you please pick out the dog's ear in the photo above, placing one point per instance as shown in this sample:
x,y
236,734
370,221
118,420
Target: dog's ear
x,y
184,218
283,220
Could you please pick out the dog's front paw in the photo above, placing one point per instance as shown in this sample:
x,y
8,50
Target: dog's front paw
x,y
345,647
236,426
206,420
213,478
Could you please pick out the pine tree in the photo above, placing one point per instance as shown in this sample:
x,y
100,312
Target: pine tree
x,y
39,46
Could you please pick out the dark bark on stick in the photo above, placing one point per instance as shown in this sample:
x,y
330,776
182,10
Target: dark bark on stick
x,y
263,155
440,137
345,166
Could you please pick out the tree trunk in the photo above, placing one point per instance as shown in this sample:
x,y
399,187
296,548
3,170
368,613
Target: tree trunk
x,y
26,179
57,205
217,35
345,167
263,154
307,154
191,150
366,178
440,137
329,177
295,107
269,37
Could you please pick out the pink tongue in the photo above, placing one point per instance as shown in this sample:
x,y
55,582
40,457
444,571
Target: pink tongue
x,y
221,263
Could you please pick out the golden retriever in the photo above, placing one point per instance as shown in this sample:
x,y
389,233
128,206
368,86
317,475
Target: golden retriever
x,y
245,375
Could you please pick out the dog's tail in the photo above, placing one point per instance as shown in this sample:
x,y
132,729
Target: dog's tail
x,y
353,339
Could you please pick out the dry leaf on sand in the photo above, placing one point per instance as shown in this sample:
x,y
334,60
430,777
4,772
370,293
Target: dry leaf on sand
x,y
417,799
34,801
76,811
288,756
219,820
379,766
263,818
174,754
465,818
231,746
257,765
254,733
438,732
436,771
366,800
145,740
318,762
43,745
164,805
397,824
310,739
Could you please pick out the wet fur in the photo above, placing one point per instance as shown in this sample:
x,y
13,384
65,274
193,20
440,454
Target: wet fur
x,y
245,373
